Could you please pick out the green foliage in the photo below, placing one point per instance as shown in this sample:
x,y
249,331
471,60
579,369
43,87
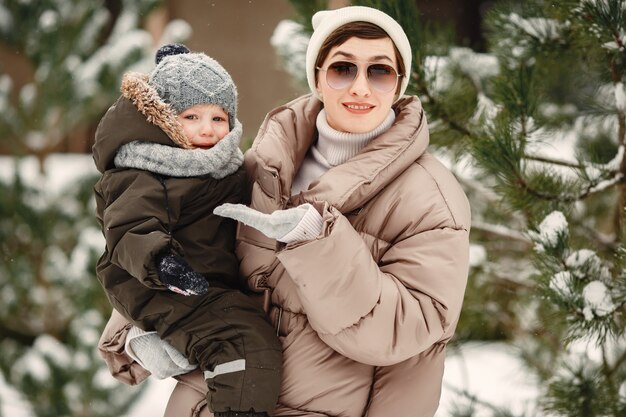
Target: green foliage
x,y
495,317
515,89
606,18
582,393
404,12
305,9
52,308
76,51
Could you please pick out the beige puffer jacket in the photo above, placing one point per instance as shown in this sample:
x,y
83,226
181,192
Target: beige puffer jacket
x,y
365,310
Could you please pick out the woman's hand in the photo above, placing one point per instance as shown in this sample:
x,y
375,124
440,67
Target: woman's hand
x,y
276,225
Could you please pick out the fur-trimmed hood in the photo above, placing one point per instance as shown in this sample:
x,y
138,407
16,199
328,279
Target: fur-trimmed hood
x,y
139,114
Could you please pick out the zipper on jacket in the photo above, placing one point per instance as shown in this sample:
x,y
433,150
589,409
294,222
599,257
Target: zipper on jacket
x,y
167,209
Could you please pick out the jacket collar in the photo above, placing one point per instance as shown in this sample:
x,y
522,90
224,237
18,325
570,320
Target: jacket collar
x,y
135,88
288,132
139,114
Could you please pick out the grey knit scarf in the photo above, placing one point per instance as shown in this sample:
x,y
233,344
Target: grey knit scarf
x,y
221,160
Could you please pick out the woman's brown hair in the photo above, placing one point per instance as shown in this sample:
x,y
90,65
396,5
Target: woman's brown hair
x,y
362,30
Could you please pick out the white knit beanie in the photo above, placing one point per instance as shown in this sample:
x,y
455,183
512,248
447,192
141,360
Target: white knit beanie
x,y
326,21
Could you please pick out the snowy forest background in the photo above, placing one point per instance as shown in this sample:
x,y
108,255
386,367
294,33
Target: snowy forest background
x,y
534,127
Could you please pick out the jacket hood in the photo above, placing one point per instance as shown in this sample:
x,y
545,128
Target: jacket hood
x,y
139,114
289,131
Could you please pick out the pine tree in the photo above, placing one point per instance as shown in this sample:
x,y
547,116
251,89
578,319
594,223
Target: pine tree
x,y
52,308
535,130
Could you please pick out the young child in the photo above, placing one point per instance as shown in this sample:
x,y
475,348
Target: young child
x,y
168,151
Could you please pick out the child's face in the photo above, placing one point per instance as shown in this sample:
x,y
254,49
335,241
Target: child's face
x,y
204,124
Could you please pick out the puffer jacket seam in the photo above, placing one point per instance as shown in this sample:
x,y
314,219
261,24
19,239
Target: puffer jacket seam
x,y
259,155
457,226
379,239
342,199
270,120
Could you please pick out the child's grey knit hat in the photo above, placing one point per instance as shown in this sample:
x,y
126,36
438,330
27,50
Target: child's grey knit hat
x,y
184,79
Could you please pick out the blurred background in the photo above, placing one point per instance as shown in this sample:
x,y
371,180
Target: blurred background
x,y
237,33
526,105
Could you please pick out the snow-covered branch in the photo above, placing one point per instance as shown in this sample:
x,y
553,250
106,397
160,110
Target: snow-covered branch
x,y
500,230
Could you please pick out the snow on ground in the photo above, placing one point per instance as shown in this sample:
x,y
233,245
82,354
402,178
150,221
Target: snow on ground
x,y
492,373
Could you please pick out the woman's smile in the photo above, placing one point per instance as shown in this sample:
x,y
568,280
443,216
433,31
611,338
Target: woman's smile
x,y
358,108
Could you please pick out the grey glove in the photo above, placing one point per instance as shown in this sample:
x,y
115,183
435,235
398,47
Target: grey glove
x,y
275,225
179,277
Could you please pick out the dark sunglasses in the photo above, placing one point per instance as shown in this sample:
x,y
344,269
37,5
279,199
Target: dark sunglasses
x,y
382,77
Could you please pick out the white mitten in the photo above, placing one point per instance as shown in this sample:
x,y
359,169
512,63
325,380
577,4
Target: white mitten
x,y
288,226
156,355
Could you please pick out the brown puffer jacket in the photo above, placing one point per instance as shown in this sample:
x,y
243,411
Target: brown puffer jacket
x,y
142,213
365,310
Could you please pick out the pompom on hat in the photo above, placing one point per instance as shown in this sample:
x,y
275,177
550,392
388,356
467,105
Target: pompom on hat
x,y
184,79
326,21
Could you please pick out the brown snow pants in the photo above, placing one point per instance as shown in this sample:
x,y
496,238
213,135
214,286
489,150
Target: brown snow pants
x,y
225,332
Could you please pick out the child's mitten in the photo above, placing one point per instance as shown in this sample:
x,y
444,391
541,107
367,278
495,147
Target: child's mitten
x,y
156,355
179,277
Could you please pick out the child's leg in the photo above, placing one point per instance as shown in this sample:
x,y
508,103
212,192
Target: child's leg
x,y
239,353
228,335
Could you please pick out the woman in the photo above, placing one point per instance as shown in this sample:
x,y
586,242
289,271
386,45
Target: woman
x,y
367,255
368,290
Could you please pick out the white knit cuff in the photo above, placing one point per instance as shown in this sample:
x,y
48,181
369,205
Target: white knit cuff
x,y
309,227
133,334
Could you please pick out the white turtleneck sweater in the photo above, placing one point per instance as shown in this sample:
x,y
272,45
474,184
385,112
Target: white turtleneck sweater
x,y
331,149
